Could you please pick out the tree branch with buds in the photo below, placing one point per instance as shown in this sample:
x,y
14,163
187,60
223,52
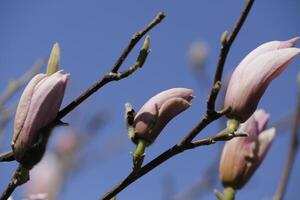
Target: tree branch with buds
x,y
211,115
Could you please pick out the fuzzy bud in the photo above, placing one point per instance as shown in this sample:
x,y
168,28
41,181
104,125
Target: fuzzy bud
x,y
252,76
158,111
242,156
38,106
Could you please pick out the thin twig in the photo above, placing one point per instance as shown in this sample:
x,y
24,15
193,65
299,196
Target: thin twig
x,y
113,75
135,39
176,149
211,115
227,41
293,147
7,156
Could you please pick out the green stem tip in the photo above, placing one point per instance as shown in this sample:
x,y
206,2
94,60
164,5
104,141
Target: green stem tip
x,y
229,193
139,153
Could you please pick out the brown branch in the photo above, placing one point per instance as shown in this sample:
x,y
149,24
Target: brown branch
x,y
291,156
20,177
176,149
211,115
227,41
7,156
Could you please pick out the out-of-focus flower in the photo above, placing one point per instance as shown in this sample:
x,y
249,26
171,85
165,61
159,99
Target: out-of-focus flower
x,y
67,142
45,179
38,106
242,156
253,75
158,111
198,53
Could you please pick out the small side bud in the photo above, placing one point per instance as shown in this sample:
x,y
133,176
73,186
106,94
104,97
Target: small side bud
x,y
233,124
144,52
224,37
146,43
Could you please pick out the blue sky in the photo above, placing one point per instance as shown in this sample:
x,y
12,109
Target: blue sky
x,y
93,33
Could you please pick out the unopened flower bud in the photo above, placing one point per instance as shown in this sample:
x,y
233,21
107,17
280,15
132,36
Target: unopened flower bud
x,y
158,111
253,75
242,156
37,108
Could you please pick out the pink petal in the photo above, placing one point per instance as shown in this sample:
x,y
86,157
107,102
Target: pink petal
x,y
246,88
265,140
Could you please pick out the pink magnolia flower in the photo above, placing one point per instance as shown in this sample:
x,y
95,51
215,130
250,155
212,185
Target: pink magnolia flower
x,y
253,75
38,106
46,179
242,156
158,111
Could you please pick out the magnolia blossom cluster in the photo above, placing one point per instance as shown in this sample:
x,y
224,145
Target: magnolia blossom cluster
x,y
41,100
242,156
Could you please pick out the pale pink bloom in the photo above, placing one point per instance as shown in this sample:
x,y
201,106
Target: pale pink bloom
x,y
242,156
38,106
253,75
158,111
67,142
46,179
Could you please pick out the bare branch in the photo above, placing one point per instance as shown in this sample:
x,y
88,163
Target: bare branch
x,y
227,41
292,152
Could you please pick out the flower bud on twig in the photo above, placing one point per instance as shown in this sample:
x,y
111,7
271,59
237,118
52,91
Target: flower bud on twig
x,y
253,75
38,106
158,111
242,156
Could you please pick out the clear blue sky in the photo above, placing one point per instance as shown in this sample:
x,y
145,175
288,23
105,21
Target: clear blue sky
x,y
93,33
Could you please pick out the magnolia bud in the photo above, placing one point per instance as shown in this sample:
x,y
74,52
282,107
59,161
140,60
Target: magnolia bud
x,y
38,106
253,75
158,111
242,156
